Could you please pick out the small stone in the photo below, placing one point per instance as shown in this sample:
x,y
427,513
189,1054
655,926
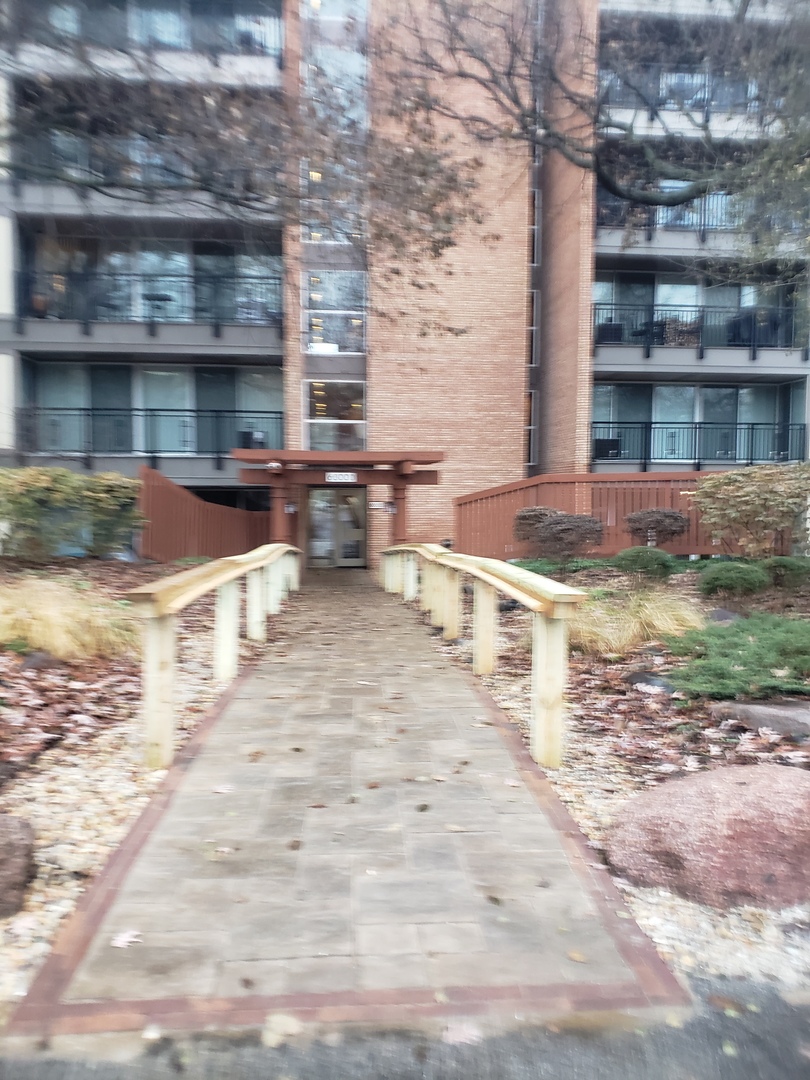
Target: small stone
x,y
279,1028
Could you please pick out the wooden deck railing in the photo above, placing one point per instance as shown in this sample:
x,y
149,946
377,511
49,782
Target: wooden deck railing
x,y
272,571
432,575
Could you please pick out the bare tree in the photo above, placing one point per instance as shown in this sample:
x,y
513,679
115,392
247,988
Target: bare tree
x,y
736,123
115,118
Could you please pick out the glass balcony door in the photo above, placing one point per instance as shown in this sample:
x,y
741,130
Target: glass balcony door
x,y
111,405
169,426
216,406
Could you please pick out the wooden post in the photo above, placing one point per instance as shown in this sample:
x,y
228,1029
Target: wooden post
x,y
294,571
424,594
485,622
549,667
398,572
273,583
452,604
400,524
226,632
256,610
410,579
159,651
436,594
278,519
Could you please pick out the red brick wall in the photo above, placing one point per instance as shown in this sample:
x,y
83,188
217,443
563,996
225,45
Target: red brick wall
x,y
461,393
567,223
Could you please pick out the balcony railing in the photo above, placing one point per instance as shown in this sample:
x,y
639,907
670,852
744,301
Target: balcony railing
x,y
252,29
97,297
88,432
142,164
698,444
698,327
653,87
717,212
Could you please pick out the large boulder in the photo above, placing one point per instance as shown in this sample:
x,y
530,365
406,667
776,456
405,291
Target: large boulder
x,y
735,835
16,862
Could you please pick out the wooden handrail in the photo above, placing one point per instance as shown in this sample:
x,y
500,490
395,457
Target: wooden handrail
x,y
272,571
171,595
432,574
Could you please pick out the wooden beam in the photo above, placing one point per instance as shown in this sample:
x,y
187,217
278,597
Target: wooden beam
x,y
317,477
332,459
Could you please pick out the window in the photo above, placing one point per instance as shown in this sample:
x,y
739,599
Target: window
x,y
335,303
159,24
336,415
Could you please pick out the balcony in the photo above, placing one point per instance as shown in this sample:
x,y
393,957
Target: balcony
x,y
150,432
697,444
141,166
241,27
97,297
653,87
698,328
718,212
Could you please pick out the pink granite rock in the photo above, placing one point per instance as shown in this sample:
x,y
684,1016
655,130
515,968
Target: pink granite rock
x,y
735,835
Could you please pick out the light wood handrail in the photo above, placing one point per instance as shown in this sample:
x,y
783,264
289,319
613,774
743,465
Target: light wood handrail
x,y
272,571
551,604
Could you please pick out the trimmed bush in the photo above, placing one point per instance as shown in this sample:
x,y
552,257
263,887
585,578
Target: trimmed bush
x,y
787,571
658,525
648,562
44,509
527,520
562,537
734,578
759,657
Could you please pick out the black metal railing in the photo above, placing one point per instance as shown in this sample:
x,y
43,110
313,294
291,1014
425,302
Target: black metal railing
x,y
145,165
698,443
95,296
653,87
88,432
258,32
717,212
698,327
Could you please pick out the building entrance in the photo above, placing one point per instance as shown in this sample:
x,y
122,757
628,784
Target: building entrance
x,y
336,534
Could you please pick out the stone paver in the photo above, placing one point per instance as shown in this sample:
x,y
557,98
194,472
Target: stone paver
x,y
355,822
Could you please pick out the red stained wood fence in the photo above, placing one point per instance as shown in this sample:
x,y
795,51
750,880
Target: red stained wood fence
x,y
180,525
484,519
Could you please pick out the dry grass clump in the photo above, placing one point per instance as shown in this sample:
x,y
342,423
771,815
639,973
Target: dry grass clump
x,y
64,619
613,625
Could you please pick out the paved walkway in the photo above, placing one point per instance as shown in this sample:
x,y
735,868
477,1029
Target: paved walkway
x,y
358,835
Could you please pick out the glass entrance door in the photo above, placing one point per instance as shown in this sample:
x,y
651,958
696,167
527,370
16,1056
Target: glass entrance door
x,y
337,527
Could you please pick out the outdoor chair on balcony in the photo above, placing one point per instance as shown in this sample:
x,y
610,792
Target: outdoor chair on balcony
x,y
609,333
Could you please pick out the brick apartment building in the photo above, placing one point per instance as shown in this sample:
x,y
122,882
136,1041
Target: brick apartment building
x,y
166,333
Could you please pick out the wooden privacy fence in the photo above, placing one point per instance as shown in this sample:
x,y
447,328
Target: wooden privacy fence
x,y
180,525
271,571
484,519
432,575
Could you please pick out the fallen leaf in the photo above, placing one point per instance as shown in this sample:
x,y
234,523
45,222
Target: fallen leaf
x,y
126,938
577,957
294,845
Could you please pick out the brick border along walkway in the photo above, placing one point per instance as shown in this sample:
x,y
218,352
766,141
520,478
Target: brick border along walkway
x,y
44,1012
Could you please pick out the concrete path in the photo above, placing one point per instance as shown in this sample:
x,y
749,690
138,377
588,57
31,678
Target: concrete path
x,y
357,836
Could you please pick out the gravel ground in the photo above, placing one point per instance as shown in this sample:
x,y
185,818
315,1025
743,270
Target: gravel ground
x,y
606,763
82,795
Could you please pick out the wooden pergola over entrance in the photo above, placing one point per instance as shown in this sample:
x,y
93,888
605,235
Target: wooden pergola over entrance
x,y
285,470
